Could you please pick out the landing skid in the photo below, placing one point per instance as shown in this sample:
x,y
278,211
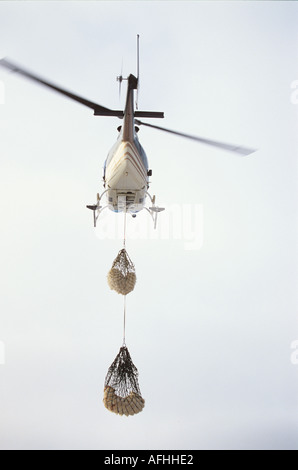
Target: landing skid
x,y
97,208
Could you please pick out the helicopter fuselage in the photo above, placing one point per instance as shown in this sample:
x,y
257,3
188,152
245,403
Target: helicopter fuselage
x,y
126,175
126,167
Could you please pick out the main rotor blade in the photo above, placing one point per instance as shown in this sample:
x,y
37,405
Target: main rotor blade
x,y
213,143
98,109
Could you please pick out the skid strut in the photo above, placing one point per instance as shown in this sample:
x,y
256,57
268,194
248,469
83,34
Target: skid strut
x,y
97,208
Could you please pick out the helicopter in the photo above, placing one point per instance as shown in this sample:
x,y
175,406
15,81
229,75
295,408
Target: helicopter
x,y
126,169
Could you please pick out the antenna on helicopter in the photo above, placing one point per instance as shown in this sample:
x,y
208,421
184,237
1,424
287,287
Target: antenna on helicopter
x,y
120,77
138,70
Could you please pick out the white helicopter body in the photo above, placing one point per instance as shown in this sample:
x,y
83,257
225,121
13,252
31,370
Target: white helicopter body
x,y
126,173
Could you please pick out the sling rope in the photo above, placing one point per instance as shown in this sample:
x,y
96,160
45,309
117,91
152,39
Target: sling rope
x,y
124,234
124,318
124,297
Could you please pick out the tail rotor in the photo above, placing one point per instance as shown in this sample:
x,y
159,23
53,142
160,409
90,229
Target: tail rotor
x,y
120,79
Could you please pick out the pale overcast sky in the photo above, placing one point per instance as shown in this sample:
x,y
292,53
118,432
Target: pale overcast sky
x,y
213,316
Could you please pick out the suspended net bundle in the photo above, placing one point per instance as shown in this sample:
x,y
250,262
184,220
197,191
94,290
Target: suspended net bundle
x,y
122,393
122,276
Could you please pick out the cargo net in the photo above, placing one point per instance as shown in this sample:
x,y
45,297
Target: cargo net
x,y
122,392
122,275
